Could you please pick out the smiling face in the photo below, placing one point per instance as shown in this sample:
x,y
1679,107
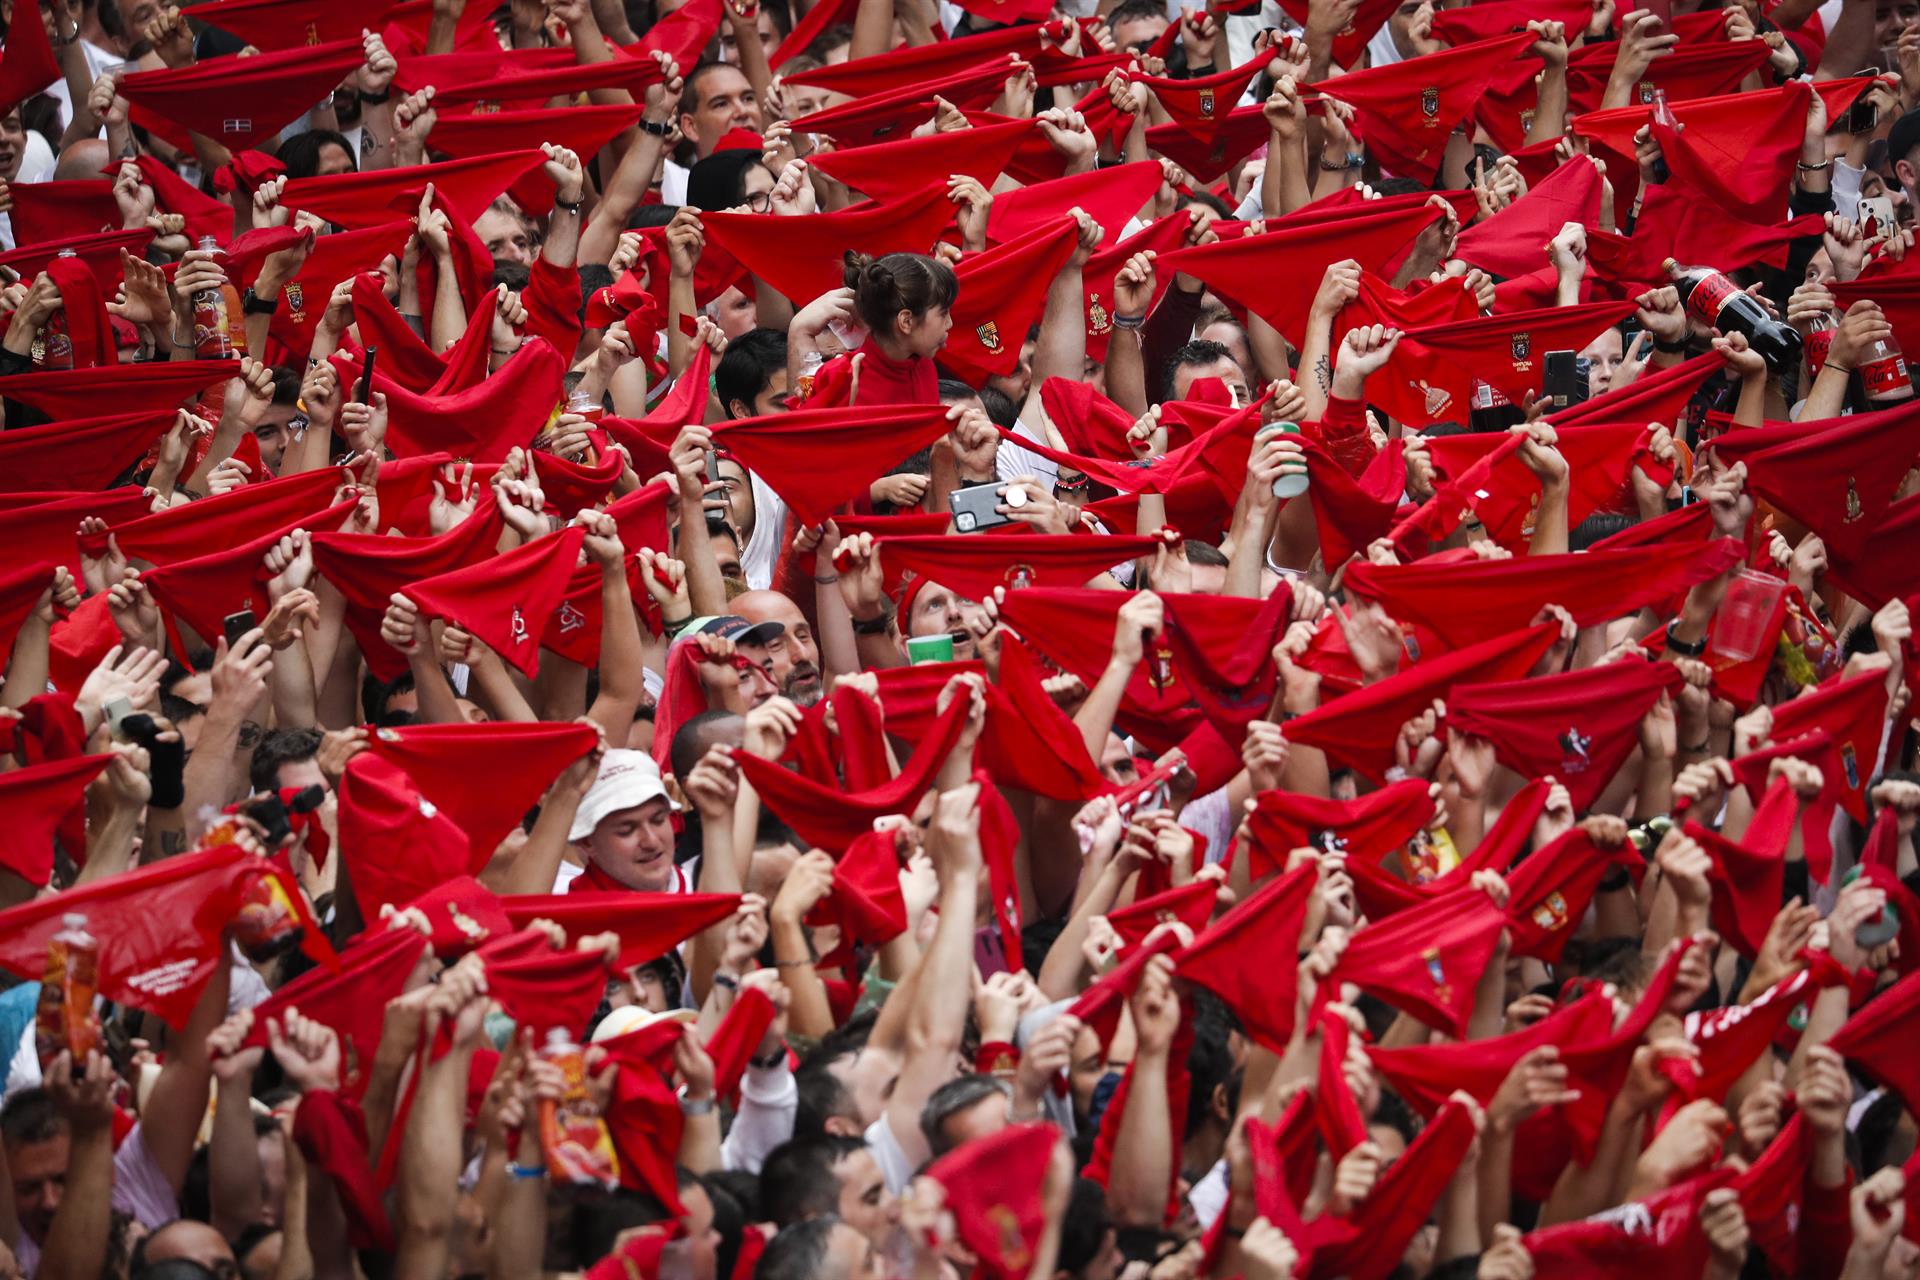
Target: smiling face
x,y
635,847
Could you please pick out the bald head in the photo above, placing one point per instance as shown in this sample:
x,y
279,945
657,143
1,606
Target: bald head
x,y
794,655
82,159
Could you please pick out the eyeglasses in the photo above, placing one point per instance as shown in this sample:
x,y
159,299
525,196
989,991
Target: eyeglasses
x,y
760,201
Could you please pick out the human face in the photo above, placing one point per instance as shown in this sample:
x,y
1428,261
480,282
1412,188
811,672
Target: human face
x,y
1400,24
756,188
730,48
1014,386
726,102
272,435
702,1239
1209,579
505,237
635,846
925,334
1603,355
13,145
727,551
865,1203
1116,762
195,1242
794,655
39,1182
1137,33
937,610
1889,16
771,399
1224,369
737,489
333,158
735,312
851,1256
981,1120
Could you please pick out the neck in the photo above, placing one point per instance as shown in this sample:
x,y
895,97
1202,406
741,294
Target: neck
x,y
892,348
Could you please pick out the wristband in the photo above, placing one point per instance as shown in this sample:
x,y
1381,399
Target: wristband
x,y
657,130
996,1058
526,1172
767,1062
375,99
695,1106
872,626
726,980
1128,322
672,626
1685,648
1671,348
573,207
253,304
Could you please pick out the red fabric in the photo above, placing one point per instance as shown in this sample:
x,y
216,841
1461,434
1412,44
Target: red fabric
x,y
404,357
1372,1240
160,927
506,600
1837,477
1578,726
1550,889
89,453
902,67
733,1042
1163,235
1466,600
1748,875
649,924
1879,1039
830,818
583,130
27,65
532,87
331,1133
333,258
1407,110
1493,18
1003,292
1302,252
802,257
75,393
352,1001
1880,572
34,801
365,199
1658,1236
46,211
205,589
975,564
892,171
645,1122
785,450
1381,893
1426,960
1250,958
1099,1005
1109,196
1854,711
483,422
1656,396
1513,241
1358,729
889,114
100,251
1351,41
368,568
547,989
1223,648
1600,457
272,89
552,299
396,844
463,914
1431,374
993,1191
278,24
483,776
182,533
1366,829
1674,223
1190,904
865,901
45,532
1199,106
1731,1038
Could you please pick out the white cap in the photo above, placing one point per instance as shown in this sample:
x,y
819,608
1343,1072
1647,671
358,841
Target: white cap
x,y
631,1017
628,779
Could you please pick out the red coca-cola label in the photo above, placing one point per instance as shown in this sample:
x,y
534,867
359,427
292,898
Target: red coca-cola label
x,y
1819,342
1710,296
1887,374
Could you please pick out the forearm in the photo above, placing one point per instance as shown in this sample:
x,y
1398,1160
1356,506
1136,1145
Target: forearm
x,y
622,656
1584,1190
1061,349
211,779
430,1157
437,702
706,590
700,1138
1060,973
27,669
1550,521
807,1011
1828,397
233,1159
492,687
537,866
1750,410
448,323
562,247
1142,1169
1550,108
1251,533
1316,365
520,1226
1094,719
720,872
1458,1214
76,1244
296,704
622,195
1127,372
1283,183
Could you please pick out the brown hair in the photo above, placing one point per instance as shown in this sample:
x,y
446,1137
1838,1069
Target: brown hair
x,y
884,287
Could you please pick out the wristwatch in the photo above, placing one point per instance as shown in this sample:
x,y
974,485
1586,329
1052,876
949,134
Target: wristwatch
x,y
253,304
1685,648
657,130
876,626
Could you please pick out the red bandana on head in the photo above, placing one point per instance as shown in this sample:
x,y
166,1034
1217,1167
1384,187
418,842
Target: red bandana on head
x,y
483,776
1465,600
1250,958
1365,830
506,601
161,927
1578,726
1358,729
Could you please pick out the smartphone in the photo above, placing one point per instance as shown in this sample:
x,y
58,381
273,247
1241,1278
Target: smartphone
x,y
116,712
1864,115
713,466
977,507
238,624
1876,217
1563,383
366,379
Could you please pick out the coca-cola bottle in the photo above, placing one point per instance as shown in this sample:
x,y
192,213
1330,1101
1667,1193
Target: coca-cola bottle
x,y
1719,303
1819,342
1883,371
1663,116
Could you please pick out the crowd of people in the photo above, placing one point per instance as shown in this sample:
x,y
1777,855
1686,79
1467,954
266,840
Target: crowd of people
x,y
722,640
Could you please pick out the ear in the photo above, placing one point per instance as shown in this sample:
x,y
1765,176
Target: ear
x,y
1904,171
903,322
735,409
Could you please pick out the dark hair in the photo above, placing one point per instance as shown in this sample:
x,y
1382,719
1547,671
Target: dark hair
x,y
799,1252
949,1100
595,1219
690,94
952,390
1199,552
720,181
1001,410
747,367
301,153
28,1117
691,740
1084,1230
1394,1113
376,694
821,1096
1601,524
1132,10
797,1181
884,287
278,747
286,384
1198,352
1210,1061
651,215
1210,200
515,275
840,33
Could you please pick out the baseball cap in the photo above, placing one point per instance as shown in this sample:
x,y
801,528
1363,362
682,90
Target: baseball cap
x,y
731,626
627,780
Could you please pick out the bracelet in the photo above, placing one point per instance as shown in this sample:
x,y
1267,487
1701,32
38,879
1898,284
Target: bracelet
x,y
657,130
1685,648
726,980
695,1106
375,99
826,582
1128,322
872,626
526,1172
792,964
1670,348
572,207
674,624
1354,160
1804,167
1701,747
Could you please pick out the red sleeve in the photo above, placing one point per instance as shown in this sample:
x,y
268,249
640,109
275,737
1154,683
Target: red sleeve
x,y
552,300
1826,1230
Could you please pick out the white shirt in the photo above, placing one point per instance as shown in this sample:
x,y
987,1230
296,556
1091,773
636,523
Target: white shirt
x,y
769,1100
